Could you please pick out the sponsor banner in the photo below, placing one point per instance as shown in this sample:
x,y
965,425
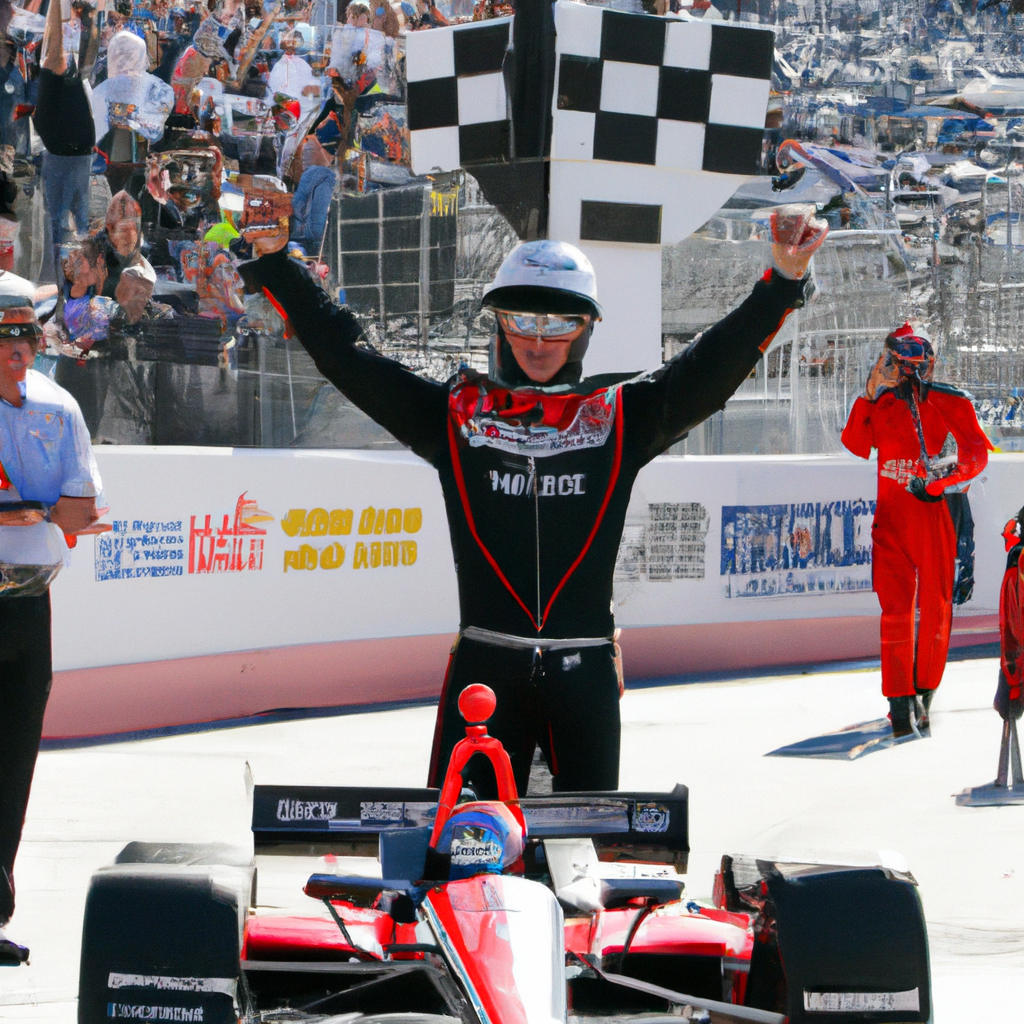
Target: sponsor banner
x,y
214,551
139,548
665,542
230,550
807,549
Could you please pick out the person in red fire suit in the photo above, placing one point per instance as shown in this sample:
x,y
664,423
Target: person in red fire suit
x,y
929,443
1009,701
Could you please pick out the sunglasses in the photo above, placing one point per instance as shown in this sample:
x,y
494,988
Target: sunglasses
x,y
541,325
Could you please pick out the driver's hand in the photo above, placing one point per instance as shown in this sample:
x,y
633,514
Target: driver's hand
x,y
938,487
796,235
922,491
255,274
73,515
272,244
790,154
617,662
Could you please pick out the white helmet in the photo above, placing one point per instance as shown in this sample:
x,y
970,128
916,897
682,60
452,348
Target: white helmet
x,y
545,276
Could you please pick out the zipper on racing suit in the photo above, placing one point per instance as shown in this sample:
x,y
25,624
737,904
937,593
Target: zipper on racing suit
x,y
536,526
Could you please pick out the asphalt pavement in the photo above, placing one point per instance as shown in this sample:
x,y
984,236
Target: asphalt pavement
x,y
88,803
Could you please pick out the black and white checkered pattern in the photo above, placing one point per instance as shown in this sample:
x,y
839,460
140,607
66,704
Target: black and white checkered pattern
x,y
653,119
689,95
457,103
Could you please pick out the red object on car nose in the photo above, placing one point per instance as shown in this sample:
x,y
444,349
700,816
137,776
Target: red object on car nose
x,y
477,703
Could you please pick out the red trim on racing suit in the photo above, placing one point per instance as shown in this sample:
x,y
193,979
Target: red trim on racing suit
x,y
460,481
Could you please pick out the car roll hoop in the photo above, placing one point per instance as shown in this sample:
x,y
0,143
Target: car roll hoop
x,y
476,705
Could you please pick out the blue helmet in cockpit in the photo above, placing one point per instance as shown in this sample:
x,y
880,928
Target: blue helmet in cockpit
x,y
481,838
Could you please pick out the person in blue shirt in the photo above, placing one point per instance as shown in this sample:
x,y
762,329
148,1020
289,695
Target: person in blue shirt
x,y
49,486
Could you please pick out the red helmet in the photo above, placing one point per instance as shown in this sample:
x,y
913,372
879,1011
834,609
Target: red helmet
x,y
911,343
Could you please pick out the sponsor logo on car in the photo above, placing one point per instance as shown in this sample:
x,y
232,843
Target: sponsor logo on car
x,y
380,811
129,1011
306,810
650,818
862,1002
475,846
226,986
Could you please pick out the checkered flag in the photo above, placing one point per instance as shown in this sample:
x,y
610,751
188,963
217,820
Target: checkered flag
x,y
457,105
685,94
682,103
653,121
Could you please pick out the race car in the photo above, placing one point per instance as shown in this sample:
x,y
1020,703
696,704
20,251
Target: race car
x,y
513,911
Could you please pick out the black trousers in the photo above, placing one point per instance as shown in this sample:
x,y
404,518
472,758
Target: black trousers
x,y
566,701
25,676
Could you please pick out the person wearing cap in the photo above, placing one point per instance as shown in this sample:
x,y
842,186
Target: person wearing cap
x,y
49,486
536,463
929,445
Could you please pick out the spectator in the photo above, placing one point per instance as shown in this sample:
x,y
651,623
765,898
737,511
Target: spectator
x,y
86,315
122,236
134,295
129,108
312,200
357,14
63,119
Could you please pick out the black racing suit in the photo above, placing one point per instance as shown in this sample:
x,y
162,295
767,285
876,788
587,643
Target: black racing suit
x,y
536,481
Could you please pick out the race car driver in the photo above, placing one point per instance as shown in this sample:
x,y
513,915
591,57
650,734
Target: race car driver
x,y
536,465
929,444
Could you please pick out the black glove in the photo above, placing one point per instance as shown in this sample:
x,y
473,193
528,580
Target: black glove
x,y
917,489
1006,707
257,273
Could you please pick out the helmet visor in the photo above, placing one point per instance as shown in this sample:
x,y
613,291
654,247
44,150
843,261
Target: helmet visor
x,y
912,350
545,326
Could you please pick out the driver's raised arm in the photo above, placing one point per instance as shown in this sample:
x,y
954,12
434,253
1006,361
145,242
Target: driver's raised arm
x,y
662,407
411,408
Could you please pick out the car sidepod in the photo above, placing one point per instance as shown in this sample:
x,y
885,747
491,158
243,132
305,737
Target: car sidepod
x,y
846,945
161,941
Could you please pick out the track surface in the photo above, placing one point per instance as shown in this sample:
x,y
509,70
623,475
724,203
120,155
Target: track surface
x,y
88,803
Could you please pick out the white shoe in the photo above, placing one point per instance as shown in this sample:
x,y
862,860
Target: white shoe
x,y
11,954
